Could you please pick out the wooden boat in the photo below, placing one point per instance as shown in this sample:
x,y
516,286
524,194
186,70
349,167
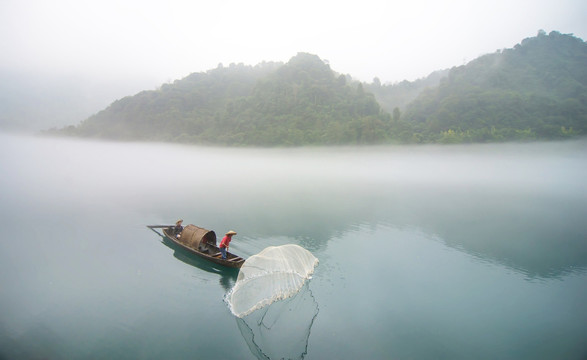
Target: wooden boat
x,y
202,242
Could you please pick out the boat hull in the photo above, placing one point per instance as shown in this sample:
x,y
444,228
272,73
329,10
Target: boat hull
x,y
212,252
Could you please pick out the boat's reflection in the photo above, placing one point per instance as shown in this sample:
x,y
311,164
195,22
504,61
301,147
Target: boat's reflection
x,y
227,275
281,330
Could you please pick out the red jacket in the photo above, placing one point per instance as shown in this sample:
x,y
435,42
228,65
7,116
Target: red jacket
x,y
225,241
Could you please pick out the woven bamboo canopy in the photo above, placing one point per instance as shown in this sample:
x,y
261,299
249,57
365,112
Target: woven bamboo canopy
x,y
193,236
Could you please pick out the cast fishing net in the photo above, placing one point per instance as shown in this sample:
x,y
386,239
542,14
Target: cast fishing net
x,y
275,273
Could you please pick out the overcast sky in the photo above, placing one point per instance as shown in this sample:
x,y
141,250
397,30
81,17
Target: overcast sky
x,y
166,40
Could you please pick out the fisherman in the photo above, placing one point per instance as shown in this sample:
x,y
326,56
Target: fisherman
x,y
178,228
225,243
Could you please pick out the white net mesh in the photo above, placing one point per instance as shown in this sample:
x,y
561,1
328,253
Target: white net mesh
x,y
275,273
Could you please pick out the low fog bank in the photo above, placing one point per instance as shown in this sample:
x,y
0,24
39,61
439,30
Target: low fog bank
x,y
493,201
121,169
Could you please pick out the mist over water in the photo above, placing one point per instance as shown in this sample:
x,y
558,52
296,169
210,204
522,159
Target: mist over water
x,y
425,252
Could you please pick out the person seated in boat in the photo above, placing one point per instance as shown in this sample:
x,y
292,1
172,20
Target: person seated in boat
x,y
178,228
225,243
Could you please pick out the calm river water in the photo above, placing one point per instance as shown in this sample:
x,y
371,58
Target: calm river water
x,y
457,252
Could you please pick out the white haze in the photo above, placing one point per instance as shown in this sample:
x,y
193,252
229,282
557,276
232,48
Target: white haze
x,y
166,40
96,172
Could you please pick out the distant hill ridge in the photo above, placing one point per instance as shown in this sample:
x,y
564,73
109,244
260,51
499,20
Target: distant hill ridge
x,y
537,90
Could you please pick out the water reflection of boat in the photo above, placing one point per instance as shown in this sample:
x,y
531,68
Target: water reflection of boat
x,y
202,242
281,330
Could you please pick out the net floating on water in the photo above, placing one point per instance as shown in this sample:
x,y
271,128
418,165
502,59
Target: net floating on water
x,y
275,273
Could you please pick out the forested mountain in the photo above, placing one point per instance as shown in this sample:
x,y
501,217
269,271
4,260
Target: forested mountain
x,y
537,90
301,102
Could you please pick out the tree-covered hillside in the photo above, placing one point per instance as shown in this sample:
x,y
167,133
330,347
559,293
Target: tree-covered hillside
x,y
537,90
298,103
174,111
